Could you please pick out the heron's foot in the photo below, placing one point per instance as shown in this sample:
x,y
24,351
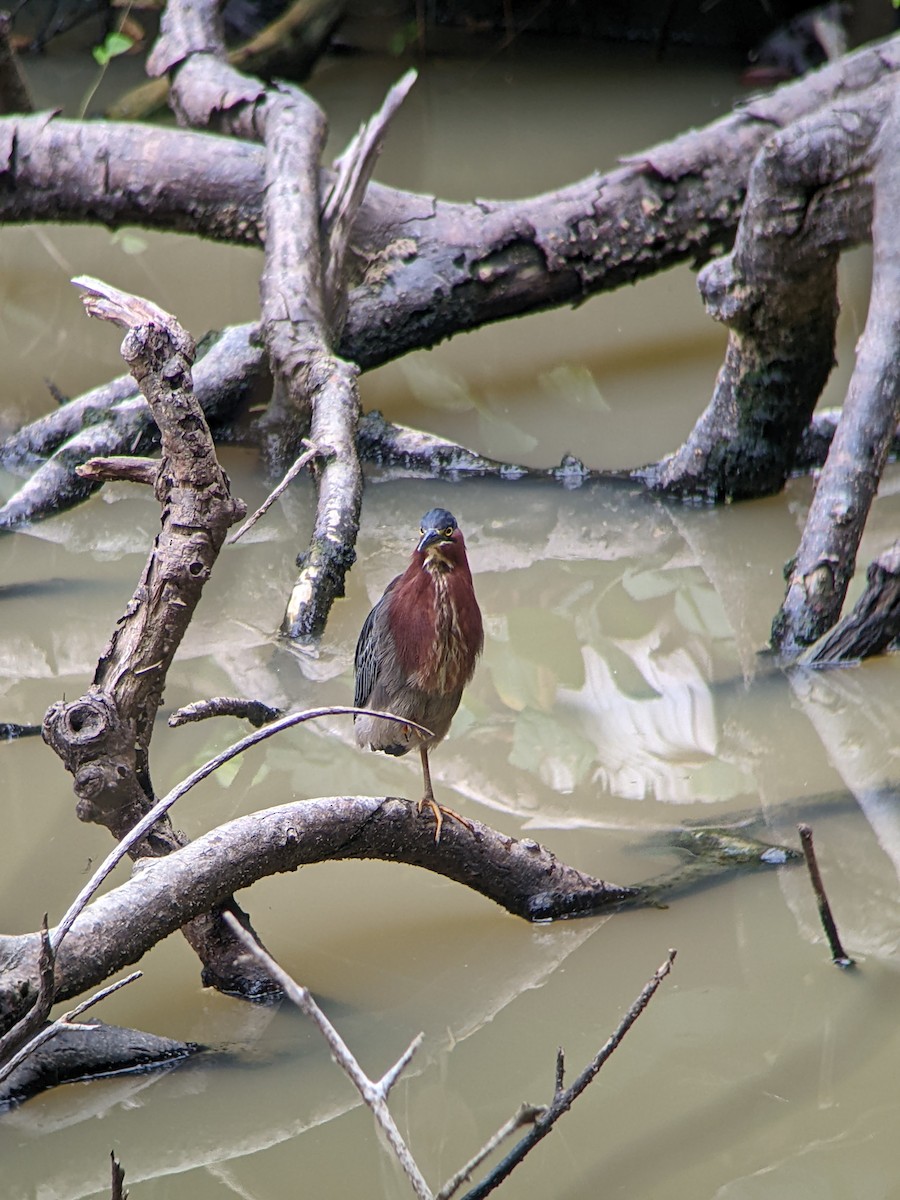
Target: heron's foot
x,y
440,811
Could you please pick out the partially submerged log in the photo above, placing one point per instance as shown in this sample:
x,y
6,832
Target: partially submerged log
x,y
522,876
74,1055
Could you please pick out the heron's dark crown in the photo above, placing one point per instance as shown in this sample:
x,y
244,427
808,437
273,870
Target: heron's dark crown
x,y
438,519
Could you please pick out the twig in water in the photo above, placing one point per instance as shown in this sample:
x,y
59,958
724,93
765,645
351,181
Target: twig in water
x,y
527,1115
563,1100
118,1179
839,956
292,472
373,1092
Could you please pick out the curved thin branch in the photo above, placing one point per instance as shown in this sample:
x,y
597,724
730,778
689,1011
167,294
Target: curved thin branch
x,y
137,833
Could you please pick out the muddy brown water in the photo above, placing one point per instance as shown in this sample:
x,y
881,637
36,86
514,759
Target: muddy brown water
x,y
621,693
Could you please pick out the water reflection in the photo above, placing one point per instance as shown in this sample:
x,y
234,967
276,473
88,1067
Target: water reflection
x,y
621,691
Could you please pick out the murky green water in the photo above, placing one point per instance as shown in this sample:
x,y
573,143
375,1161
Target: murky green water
x,y
621,693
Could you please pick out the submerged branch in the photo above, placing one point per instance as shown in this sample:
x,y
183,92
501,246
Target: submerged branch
x,y
839,955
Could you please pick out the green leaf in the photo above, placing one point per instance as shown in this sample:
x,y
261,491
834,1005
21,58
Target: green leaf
x,y
114,44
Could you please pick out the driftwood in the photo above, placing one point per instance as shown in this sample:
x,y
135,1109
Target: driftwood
x,y
422,269
522,876
103,738
166,893
91,1053
776,291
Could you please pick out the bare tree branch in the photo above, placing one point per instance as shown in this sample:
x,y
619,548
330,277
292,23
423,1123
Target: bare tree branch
x,y
25,1029
826,558
118,1191
290,475
374,1094
526,1115
117,928
254,711
872,625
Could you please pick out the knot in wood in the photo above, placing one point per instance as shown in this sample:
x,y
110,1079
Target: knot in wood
x,y
720,288
84,720
176,371
90,781
819,583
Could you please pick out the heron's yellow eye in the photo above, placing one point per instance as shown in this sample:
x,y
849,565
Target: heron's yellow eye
x,y
447,532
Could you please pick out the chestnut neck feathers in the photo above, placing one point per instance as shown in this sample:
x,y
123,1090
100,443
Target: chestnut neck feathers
x,y
434,617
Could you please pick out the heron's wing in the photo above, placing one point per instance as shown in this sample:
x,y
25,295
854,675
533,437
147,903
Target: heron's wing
x,y
366,660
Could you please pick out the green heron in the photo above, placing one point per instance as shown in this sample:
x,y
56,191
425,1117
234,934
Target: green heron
x,y
417,650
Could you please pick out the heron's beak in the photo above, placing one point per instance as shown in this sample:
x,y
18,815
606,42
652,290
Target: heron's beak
x,y
429,537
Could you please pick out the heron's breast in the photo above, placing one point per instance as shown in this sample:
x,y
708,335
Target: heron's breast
x,y
451,661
